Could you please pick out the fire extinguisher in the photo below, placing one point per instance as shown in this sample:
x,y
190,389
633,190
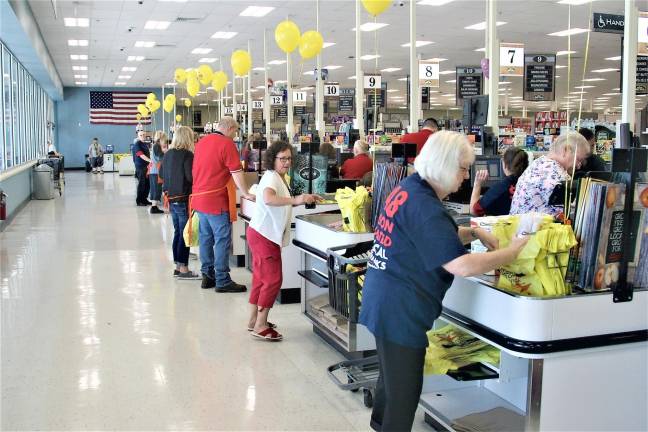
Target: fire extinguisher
x,y
3,205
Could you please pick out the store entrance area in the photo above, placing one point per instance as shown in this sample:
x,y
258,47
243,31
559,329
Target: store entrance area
x,y
97,335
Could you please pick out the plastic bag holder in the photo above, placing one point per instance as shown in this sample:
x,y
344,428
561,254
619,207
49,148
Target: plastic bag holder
x,y
629,162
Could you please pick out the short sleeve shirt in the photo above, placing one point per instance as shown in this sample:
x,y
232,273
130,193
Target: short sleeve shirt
x,y
272,222
215,159
535,186
405,281
357,167
497,199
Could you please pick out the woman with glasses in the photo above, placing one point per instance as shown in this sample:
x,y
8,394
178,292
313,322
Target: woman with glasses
x,y
417,252
268,232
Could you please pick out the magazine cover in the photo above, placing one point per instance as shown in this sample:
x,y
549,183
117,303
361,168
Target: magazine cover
x,y
610,245
299,174
638,268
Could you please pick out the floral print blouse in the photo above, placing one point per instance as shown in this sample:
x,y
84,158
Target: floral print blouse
x,y
535,186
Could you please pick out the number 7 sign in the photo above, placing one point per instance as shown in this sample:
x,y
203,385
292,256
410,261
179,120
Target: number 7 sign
x,y
511,59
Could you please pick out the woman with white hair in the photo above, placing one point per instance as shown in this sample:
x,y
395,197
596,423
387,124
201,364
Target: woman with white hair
x,y
537,183
417,251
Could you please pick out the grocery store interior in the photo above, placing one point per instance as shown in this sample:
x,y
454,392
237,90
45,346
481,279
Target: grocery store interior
x,y
99,331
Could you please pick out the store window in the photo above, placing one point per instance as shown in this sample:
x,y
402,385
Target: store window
x,y
26,110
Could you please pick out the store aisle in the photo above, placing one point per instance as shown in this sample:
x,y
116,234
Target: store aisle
x,y
96,335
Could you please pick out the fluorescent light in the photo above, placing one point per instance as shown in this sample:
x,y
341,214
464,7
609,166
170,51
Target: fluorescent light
x,y
254,69
557,76
605,70
370,26
256,11
593,79
260,87
574,2
174,1
616,89
482,25
504,82
76,22
449,95
370,56
603,98
447,72
516,97
280,82
144,44
584,87
352,77
202,104
611,94
569,32
392,90
562,53
207,60
120,83
129,69
480,50
560,67
310,72
433,2
451,81
135,58
80,68
156,25
79,56
391,69
277,62
615,58
223,35
436,104
238,94
436,59
80,76
580,92
332,67
418,44
77,42
402,79
306,88
81,82
124,77
328,44
201,51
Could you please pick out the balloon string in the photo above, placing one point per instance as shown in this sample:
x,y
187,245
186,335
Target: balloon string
x,y
375,113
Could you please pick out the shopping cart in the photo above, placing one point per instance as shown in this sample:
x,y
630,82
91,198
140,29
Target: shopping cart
x,y
347,266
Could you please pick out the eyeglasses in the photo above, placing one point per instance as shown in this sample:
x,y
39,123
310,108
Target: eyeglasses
x,y
464,170
284,159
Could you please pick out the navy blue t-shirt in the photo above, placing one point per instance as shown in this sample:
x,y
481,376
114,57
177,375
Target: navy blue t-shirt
x,y
405,281
138,147
497,199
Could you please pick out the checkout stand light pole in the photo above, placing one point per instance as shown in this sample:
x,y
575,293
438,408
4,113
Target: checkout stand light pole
x,y
359,96
415,97
266,97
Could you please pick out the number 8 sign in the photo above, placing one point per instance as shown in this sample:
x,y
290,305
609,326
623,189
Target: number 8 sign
x,y
429,74
511,59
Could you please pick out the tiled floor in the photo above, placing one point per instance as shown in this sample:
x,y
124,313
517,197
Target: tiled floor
x,y
96,334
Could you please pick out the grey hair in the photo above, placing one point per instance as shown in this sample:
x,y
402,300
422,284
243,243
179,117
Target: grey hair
x,y
441,157
362,146
571,141
226,123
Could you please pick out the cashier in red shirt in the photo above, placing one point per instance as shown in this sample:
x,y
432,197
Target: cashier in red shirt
x,y
361,163
419,138
216,168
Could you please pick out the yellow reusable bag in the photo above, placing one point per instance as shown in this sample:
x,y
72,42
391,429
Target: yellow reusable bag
x,y
353,206
450,348
190,232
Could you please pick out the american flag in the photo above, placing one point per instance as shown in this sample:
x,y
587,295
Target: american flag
x,y
116,108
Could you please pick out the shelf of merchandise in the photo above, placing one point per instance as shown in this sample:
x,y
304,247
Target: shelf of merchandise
x,y
551,120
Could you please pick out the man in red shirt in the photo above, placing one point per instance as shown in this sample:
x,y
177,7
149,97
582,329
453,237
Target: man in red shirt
x,y
419,138
361,163
216,167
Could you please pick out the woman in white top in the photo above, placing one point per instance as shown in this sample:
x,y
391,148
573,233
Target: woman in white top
x,y
268,232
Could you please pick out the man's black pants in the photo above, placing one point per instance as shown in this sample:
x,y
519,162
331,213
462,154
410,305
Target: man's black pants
x,y
142,185
399,386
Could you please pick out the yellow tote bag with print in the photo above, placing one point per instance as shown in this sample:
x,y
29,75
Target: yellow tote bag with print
x,y
190,231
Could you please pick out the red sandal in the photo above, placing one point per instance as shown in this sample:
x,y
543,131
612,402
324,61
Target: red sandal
x,y
271,325
269,334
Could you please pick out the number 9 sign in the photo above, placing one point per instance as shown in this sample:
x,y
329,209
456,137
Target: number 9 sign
x,y
372,82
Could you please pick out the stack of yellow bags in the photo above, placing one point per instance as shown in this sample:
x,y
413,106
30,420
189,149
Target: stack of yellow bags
x,y
540,268
450,348
354,205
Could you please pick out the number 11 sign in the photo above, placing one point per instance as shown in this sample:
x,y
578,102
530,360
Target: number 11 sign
x,y
428,73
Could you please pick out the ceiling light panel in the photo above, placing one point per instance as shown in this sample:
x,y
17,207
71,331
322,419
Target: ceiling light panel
x,y
563,53
277,62
593,79
80,68
574,2
120,83
447,72
129,69
615,58
81,82
256,11
436,59
124,76
569,32
80,76
370,56
144,44
391,69
135,58
605,70
76,22
332,67
77,42
328,44
156,25
482,25
370,26
207,60
201,51
78,56
223,35
434,2
418,44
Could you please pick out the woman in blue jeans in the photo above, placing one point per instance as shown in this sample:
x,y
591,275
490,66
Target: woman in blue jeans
x,y
177,180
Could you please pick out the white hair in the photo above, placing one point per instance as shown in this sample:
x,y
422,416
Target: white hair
x,y
441,158
226,123
572,141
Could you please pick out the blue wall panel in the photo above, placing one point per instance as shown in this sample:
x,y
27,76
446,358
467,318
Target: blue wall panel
x,y
74,131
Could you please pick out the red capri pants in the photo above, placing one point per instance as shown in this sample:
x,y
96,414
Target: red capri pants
x,y
266,269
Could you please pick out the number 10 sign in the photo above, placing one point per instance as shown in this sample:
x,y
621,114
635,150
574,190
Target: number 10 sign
x,y
428,73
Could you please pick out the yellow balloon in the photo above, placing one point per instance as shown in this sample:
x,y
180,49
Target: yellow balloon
x,y
180,75
376,7
151,96
178,117
193,87
205,74
219,80
187,103
287,36
192,74
155,105
241,62
170,97
148,104
138,116
141,108
310,44
168,106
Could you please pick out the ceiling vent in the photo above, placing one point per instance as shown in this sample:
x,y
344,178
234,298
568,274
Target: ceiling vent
x,y
164,46
189,20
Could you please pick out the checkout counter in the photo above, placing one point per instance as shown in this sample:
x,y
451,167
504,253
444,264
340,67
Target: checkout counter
x,y
576,362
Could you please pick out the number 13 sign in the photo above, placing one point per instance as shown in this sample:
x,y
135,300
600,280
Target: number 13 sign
x,y
511,59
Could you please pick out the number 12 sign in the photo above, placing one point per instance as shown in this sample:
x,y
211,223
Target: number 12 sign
x,y
429,73
511,59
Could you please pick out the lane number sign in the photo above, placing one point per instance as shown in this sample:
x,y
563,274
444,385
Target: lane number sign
x,y
257,105
241,107
429,74
299,98
229,110
276,100
331,90
372,82
511,59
